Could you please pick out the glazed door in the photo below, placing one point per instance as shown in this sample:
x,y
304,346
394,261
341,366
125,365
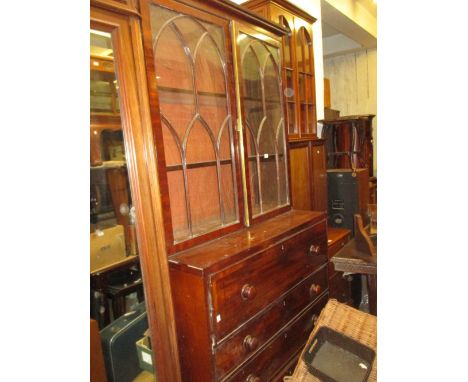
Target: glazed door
x,y
263,121
193,77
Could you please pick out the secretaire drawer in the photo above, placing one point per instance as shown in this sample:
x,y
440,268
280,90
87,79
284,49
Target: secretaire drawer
x,y
253,335
263,366
242,290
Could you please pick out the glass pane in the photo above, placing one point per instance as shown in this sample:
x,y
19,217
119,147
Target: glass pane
x,y
190,65
289,95
291,113
283,171
264,124
299,49
178,202
302,87
303,111
113,244
204,207
311,119
287,59
307,43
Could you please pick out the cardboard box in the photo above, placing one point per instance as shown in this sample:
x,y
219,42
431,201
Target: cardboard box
x,y
145,354
107,247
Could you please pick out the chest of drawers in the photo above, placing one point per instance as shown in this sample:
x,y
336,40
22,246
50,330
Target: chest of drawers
x,y
246,302
339,286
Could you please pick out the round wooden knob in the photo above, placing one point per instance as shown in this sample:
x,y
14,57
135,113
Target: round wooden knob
x,y
315,289
250,343
248,292
314,249
253,378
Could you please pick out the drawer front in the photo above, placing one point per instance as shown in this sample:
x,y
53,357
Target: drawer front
x,y
332,250
340,288
270,360
335,247
241,291
253,335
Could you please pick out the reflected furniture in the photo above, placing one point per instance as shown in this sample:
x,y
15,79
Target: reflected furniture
x,y
109,287
349,142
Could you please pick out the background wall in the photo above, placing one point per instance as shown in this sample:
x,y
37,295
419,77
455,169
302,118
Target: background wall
x,y
353,86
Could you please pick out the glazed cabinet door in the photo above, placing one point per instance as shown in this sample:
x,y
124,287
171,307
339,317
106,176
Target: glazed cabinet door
x,y
192,71
259,62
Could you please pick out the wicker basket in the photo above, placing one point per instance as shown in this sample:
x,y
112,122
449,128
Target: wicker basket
x,y
351,322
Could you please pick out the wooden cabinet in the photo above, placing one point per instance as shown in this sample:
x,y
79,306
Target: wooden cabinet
x,y
245,302
307,160
308,174
248,274
349,142
209,165
339,285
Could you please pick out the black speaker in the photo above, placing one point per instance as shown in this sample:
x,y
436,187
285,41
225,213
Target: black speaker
x,y
348,194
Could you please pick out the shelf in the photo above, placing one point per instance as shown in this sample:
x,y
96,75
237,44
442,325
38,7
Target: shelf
x,y
177,167
110,164
268,158
190,92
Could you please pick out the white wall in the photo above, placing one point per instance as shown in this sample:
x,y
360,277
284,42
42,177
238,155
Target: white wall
x,y
353,86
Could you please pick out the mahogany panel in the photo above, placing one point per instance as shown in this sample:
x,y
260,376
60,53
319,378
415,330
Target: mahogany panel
x,y
282,347
97,368
253,335
189,296
319,176
247,287
300,176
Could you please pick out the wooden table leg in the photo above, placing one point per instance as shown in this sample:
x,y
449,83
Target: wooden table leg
x,y
372,291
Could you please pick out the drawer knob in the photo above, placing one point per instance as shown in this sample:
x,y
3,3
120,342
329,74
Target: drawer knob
x,y
250,343
314,249
315,290
253,378
248,292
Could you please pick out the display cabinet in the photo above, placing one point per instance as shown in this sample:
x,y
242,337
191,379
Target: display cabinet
x,y
307,161
298,64
193,133
248,273
218,119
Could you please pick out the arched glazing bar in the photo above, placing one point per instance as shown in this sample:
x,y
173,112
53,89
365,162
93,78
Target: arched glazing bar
x,y
216,141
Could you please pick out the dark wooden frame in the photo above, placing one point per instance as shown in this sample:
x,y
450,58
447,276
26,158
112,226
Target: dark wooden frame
x,y
123,22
